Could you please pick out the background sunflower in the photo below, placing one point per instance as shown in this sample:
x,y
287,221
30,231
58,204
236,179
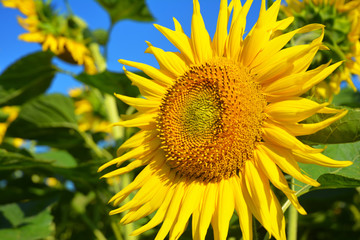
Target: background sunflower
x,y
342,22
61,35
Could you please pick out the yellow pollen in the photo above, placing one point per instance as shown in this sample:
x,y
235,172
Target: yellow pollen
x,y
210,120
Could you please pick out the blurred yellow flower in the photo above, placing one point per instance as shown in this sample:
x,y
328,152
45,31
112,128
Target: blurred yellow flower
x,y
52,182
12,113
342,21
89,118
52,32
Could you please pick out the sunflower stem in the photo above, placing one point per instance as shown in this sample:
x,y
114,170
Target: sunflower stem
x,y
110,102
116,230
106,47
97,233
293,218
128,228
100,153
113,117
255,233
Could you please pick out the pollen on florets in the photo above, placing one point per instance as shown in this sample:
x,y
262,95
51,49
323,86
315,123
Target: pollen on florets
x,y
210,120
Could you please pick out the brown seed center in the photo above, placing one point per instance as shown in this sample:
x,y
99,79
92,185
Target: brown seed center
x,y
210,120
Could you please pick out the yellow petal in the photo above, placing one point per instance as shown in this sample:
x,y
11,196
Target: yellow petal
x,y
146,192
152,72
260,34
319,159
221,30
154,156
143,120
259,190
298,129
140,138
50,43
191,200
200,39
168,61
179,40
138,152
237,28
279,220
224,209
285,160
32,37
277,178
149,207
278,136
147,87
292,60
89,65
140,104
172,211
283,24
297,84
138,182
160,213
206,211
275,45
242,209
293,109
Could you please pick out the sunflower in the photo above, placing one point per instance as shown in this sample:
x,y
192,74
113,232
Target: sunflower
x,y
218,122
342,21
53,32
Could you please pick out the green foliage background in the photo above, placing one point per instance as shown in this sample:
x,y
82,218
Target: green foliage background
x,y
75,207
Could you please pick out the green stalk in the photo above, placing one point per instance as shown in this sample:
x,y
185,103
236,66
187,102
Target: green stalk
x,y
98,234
254,226
129,228
293,218
116,230
110,102
113,117
100,153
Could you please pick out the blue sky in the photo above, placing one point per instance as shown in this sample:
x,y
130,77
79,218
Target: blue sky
x,y
127,40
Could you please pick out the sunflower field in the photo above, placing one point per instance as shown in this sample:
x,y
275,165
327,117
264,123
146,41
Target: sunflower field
x,y
250,130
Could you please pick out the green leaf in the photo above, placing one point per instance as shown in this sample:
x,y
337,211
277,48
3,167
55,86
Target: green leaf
x,y
29,227
13,214
126,9
109,82
83,174
347,97
27,78
12,161
345,130
58,158
49,119
347,177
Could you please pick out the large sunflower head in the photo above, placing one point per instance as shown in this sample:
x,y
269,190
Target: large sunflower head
x,y
217,121
342,21
63,35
